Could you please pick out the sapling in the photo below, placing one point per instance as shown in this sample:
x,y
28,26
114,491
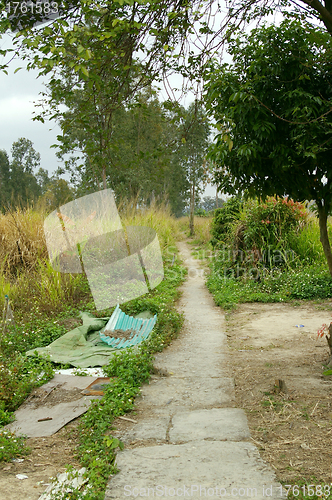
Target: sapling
x,y
321,332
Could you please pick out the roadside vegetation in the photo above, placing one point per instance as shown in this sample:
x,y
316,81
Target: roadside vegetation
x,y
41,299
266,252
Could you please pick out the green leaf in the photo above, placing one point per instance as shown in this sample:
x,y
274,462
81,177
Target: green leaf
x,y
84,70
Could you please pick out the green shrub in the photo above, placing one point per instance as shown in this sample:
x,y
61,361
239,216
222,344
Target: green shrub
x,y
257,234
271,224
224,219
306,243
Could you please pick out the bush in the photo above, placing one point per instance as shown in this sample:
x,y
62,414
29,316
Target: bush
x,y
224,219
258,234
271,224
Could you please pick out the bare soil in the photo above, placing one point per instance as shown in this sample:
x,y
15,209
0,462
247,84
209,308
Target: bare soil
x,y
277,368
49,456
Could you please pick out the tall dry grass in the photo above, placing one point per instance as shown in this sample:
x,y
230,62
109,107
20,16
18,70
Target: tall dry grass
x,y
22,241
157,216
202,226
25,272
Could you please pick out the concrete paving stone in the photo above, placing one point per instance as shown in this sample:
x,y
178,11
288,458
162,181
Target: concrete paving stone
x,y
220,424
194,391
154,428
183,363
193,470
207,451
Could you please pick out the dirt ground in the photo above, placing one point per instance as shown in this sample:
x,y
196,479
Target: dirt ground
x,y
49,456
291,429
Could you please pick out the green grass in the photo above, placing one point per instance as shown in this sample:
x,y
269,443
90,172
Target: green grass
x,y
304,283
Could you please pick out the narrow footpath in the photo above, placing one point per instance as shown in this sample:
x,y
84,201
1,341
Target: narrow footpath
x,y
191,440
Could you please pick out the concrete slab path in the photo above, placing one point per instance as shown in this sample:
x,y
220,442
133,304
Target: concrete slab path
x,y
192,441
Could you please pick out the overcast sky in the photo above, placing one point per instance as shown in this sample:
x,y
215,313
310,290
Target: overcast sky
x,y
18,93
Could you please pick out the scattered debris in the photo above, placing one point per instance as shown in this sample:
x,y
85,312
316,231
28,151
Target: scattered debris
x,y
280,386
120,334
49,391
299,326
128,419
22,476
96,388
65,483
44,419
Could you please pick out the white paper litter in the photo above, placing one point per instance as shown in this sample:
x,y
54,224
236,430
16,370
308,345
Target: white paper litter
x,y
21,476
65,483
91,372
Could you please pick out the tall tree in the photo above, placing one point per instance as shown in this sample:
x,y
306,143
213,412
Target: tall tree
x,y
142,160
99,55
58,193
24,156
25,159
5,187
195,136
18,184
43,180
274,112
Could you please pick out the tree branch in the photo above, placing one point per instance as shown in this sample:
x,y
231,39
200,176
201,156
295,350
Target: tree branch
x,y
325,14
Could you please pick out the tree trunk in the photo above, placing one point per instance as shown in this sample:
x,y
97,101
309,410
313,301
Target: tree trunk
x,y
192,210
104,177
324,237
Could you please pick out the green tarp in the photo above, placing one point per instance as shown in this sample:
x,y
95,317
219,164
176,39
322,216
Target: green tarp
x,y
81,347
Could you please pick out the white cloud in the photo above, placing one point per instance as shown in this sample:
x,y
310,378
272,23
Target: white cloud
x,y
18,92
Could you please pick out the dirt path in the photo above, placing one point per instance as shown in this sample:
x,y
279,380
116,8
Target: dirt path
x,y
190,438
292,429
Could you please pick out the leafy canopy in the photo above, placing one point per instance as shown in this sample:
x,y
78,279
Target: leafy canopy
x,y
273,110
